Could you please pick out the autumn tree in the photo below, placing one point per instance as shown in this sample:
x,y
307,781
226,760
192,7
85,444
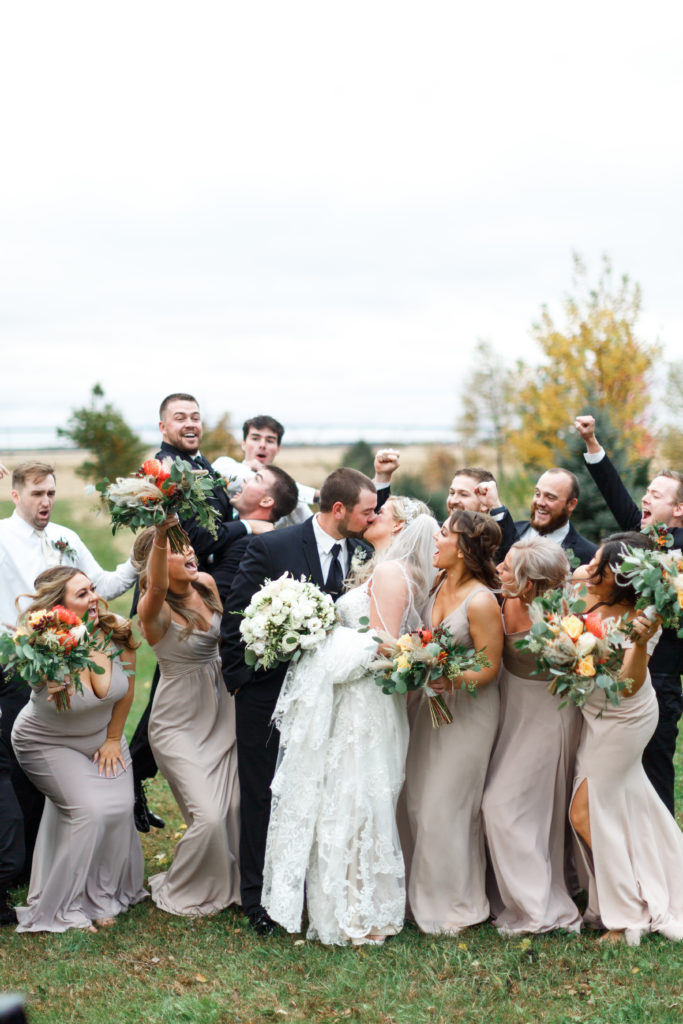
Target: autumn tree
x,y
487,406
593,363
99,428
220,440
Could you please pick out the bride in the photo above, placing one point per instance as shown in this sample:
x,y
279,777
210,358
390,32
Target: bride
x,y
343,746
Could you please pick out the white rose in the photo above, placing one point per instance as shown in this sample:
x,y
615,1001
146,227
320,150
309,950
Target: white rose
x,y
585,644
310,641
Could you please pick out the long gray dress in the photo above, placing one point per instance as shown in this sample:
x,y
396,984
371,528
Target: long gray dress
x,y
88,861
192,736
526,799
635,869
440,809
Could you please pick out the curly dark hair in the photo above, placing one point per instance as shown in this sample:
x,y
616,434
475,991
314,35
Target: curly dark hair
x,y
612,553
479,537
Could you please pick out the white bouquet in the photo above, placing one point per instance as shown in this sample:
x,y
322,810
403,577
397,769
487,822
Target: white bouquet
x,y
283,619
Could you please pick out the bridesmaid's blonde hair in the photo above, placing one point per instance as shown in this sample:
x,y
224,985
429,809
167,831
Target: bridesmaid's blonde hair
x,y
538,561
50,589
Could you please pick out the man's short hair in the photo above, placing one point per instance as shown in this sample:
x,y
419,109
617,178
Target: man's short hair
x,y
671,474
482,476
284,492
177,396
30,470
263,423
574,489
344,485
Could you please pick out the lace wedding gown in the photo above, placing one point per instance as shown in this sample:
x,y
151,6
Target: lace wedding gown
x,y
343,746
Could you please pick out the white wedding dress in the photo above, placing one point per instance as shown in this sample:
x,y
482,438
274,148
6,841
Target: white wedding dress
x,y
343,745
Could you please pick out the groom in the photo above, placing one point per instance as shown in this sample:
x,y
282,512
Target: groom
x,y
320,549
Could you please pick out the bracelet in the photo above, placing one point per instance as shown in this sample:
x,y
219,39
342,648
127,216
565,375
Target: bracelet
x,y
159,547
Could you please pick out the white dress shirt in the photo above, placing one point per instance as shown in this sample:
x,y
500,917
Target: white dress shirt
x,y
325,544
557,535
228,467
22,558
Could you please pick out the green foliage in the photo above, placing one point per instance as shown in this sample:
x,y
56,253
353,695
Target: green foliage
x,y
101,430
413,485
220,440
591,517
360,456
146,499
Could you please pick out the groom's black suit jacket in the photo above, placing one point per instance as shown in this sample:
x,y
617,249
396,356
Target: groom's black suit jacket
x,y
268,556
667,657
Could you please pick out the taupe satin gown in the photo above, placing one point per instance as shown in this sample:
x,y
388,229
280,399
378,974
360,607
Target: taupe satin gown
x,y
440,810
526,799
635,870
192,736
88,861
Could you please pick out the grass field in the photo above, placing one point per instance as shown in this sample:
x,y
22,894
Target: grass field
x,y
158,969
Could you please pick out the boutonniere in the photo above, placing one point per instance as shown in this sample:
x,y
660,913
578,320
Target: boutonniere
x,y
358,559
64,548
660,534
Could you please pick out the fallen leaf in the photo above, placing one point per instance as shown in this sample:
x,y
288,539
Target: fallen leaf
x,y
199,977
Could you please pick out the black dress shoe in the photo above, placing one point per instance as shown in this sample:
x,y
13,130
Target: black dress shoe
x,y
154,819
261,922
8,915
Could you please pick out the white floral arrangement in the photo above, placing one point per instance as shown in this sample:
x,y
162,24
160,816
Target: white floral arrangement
x,y
283,619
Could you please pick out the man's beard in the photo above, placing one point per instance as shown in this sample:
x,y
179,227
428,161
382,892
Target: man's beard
x,y
550,525
348,534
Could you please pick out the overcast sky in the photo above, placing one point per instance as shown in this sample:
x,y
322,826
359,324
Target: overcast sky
x,y
316,209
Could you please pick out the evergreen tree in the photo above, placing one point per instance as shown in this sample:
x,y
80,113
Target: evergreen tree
x,y
360,456
100,429
591,517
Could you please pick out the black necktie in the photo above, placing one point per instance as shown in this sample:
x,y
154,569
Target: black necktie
x,y
335,577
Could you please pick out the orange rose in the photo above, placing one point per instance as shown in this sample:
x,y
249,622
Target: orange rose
x,y
586,667
63,614
572,626
593,624
152,467
680,598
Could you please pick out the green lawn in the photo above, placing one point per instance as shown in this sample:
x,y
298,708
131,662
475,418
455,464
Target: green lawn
x,y
157,969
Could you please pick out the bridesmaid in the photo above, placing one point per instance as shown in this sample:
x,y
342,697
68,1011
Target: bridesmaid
x,y
631,846
445,769
191,729
87,864
526,797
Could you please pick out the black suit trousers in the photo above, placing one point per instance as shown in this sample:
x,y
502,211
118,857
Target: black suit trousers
x,y
257,749
658,756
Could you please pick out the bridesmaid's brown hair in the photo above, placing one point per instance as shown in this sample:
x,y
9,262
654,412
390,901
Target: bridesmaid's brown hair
x,y
479,537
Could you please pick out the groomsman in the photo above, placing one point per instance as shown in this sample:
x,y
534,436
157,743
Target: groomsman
x,y
261,443
661,503
269,495
321,549
475,489
556,495
29,543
